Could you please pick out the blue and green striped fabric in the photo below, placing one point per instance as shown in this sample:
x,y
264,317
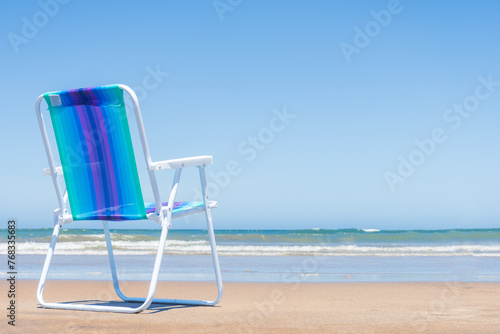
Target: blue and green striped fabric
x,y
97,157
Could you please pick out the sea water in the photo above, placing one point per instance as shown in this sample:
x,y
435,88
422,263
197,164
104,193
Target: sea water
x,y
315,255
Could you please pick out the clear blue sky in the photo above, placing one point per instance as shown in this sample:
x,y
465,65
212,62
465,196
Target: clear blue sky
x,y
360,101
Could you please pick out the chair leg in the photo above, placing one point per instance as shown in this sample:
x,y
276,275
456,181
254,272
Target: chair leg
x,y
84,307
112,264
215,259
46,265
211,236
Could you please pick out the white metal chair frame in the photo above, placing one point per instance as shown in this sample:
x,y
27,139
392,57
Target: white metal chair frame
x,y
163,216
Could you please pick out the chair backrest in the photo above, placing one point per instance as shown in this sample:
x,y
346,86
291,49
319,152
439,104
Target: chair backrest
x,y
96,152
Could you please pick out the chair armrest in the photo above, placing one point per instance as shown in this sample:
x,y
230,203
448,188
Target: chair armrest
x,y
201,160
47,172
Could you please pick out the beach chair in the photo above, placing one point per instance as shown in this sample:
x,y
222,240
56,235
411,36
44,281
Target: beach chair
x,y
101,180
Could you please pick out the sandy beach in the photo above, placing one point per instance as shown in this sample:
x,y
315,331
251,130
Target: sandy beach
x,y
453,307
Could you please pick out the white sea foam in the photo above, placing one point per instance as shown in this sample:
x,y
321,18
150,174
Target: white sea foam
x,y
202,247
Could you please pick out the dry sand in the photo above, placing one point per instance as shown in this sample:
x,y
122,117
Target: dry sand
x,y
453,307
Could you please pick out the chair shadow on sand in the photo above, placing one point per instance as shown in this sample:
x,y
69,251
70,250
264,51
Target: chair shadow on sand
x,y
152,309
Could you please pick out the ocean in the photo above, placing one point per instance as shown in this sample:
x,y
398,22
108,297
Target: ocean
x,y
313,255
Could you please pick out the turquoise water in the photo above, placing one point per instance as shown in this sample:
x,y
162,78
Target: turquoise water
x,y
271,255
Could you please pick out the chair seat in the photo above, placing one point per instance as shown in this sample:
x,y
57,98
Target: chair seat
x,y
181,208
